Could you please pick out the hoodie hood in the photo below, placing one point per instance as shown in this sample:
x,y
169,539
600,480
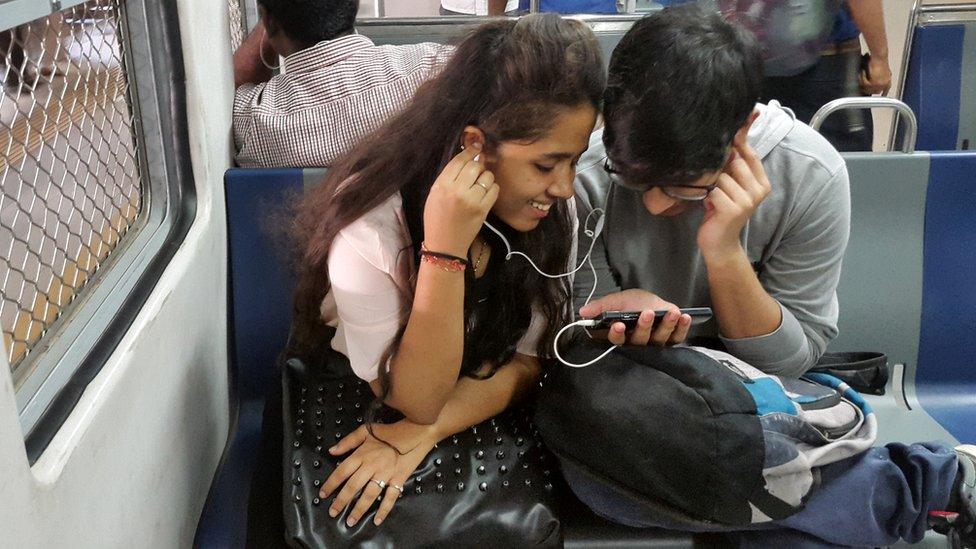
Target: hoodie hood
x,y
771,127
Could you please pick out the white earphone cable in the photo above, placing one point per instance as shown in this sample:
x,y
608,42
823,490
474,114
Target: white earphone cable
x,y
588,260
555,345
592,233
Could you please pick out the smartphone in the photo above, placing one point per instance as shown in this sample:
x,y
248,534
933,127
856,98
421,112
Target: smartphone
x,y
629,318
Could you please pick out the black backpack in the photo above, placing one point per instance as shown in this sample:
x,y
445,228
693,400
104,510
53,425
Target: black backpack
x,y
696,436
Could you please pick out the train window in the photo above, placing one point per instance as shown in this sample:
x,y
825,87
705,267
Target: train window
x,y
90,187
236,12
69,169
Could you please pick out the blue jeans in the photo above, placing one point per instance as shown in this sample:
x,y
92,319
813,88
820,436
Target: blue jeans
x,y
876,498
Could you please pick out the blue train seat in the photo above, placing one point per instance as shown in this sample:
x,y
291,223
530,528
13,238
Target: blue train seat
x,y
940,78
906,288
946,377
259,312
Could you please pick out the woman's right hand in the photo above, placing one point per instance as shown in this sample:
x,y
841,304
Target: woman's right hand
x,y
458,203
374,469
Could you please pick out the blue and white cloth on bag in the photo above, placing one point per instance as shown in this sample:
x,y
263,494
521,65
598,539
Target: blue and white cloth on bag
x,y
807,422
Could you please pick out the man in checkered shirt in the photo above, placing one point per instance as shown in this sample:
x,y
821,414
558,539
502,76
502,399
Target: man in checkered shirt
x,y
335,86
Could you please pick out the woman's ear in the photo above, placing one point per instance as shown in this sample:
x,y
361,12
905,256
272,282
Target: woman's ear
x,y
472,135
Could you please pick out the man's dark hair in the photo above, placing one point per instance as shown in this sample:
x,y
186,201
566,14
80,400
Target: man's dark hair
x,y
682,81
309,22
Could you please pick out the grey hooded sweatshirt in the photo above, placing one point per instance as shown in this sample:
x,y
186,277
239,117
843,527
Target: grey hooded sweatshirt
x,y
795,241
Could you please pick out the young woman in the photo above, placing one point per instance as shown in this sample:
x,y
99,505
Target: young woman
x,y
398,261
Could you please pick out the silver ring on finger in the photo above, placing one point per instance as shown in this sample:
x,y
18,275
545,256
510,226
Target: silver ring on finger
x,y
482,185
380,483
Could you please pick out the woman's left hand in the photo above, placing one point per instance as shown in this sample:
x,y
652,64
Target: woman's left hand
x,y
373,462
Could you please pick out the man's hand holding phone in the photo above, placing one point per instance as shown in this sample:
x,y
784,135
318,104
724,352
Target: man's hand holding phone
x,y
669,330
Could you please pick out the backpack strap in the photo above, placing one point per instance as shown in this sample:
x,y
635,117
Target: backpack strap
x,y
770,505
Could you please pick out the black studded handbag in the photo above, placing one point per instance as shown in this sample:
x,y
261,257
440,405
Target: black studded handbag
x,y
492,485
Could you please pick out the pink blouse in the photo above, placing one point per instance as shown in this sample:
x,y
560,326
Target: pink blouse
x,y
372,283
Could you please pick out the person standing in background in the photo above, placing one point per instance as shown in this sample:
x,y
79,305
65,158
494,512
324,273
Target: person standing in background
x,y
812,56
841,71
479,7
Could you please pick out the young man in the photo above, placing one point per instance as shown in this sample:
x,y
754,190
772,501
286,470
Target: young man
x,y
714,200
749,208
336,86
838,71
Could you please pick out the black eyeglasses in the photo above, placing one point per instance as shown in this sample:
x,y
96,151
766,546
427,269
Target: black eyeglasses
x,y
677,191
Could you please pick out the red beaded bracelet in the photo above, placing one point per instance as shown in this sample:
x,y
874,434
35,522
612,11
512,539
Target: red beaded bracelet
x,y
449,265
447,262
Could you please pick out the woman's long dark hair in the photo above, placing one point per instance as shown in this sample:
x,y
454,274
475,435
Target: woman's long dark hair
x,y
511,79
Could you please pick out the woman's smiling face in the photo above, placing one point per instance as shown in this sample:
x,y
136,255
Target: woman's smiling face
x,y
532,176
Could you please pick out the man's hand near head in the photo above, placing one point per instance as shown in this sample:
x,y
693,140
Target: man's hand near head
x,y
250,57
742,186
740,303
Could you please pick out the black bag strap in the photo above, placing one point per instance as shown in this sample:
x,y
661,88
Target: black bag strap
x,y
865,371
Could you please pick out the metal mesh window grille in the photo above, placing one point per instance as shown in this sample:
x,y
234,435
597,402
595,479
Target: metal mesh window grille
x,y
237,29
69,165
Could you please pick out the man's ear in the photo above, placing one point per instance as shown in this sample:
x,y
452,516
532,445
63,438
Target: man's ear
x,y
271,26
742,134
